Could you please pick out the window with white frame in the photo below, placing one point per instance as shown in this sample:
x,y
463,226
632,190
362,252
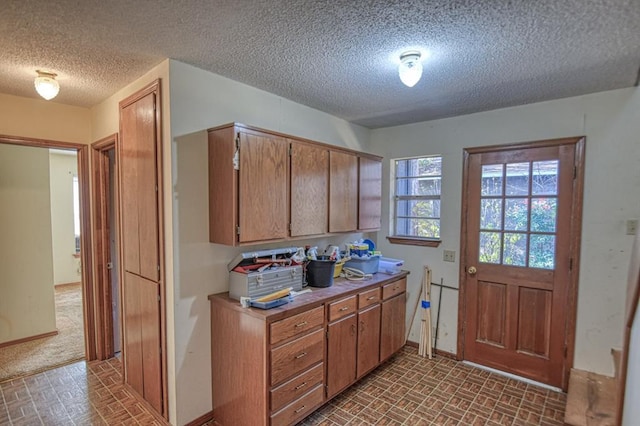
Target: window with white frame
x,y
417,189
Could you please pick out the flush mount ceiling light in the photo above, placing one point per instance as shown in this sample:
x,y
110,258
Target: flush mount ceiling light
x,y
46,85
410,69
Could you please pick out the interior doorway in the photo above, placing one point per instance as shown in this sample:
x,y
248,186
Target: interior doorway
x,y
106,225
520,256
81,251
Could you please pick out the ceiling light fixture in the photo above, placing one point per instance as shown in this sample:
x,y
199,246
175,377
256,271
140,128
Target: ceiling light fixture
x,y
46,85
410,69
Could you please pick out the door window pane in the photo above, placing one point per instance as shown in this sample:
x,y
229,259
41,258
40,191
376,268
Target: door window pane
x,y
516,216
545,178
543,214
542,251
515,249
492,179
490,247
491,213
517,179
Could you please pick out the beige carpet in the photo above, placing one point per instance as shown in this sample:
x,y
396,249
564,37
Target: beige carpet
x,y
42,354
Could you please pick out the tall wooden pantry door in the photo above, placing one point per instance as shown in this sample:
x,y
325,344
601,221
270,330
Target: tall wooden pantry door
x,y
520,251
142,248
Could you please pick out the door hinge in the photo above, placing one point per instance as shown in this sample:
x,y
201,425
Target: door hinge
x,y
575,171
158,298
290,150
327,334
158,267
566,350
236,154
289,226
237,230
571,264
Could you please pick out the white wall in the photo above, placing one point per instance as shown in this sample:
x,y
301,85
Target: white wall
x,y
631,412
610,121
40,119
26,260
200,100
62,169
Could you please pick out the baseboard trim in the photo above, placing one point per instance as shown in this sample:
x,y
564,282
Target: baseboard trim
x,y
65,285
28,339
439,352
201,420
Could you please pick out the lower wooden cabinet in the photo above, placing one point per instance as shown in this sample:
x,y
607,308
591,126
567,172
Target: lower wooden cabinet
x,y
275,367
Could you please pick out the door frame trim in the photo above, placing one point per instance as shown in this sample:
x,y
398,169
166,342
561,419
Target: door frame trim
x,y
99,186
575,239
88,301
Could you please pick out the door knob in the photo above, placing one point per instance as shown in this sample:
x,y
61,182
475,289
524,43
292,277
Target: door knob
x,y
472,270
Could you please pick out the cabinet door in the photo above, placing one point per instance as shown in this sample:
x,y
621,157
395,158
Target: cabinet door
x,y
369,194
263,183
139,188
368,339
343,192
341,355
392,333
309,189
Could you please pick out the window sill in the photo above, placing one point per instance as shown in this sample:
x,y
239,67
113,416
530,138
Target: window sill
x,y
414,241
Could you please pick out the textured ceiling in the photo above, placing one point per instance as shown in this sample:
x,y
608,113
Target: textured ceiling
x,y
339,56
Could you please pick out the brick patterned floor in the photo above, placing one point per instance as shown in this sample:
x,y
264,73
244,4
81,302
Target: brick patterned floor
x,y
411,390
76,394
407,390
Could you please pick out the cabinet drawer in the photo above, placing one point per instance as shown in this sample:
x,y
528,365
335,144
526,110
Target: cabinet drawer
x,y
296,356
342,308
289,327
296,387
394,288
298,409
368,298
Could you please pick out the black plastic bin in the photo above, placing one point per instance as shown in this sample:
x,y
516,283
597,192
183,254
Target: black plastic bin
x,y
320,272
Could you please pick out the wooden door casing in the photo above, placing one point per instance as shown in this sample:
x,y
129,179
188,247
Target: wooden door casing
x,y
343,192
369,194
520,319
263,187
341,354
392,326
309,189
368,339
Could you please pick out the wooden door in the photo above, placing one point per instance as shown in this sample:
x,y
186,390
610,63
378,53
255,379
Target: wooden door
x,y
392,323
341,354
263,183
369,194
368,339
309,189
140,188
140,183
520,244
343,192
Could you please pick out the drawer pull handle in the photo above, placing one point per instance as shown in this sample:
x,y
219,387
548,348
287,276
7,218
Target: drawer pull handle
x,y
301,385
302,324
301,355
371,297
344,308
300,409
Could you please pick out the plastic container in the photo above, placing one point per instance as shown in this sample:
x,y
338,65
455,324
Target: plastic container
x,y
368,265
338,268
389,265
320,272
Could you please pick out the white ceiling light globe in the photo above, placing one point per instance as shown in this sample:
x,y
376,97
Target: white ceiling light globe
x,y
410,69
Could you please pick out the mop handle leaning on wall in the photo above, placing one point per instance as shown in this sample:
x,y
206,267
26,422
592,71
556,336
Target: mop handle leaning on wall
x,y
442,287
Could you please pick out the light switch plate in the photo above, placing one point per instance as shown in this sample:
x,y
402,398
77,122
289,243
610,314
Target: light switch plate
x,y
449,255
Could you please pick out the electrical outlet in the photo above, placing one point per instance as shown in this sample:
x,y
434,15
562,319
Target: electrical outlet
x,y
632,226
449,255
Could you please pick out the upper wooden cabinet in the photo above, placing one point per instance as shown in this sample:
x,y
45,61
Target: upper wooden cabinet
x,y
266,186
309,184
369,193
248,186
343,192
